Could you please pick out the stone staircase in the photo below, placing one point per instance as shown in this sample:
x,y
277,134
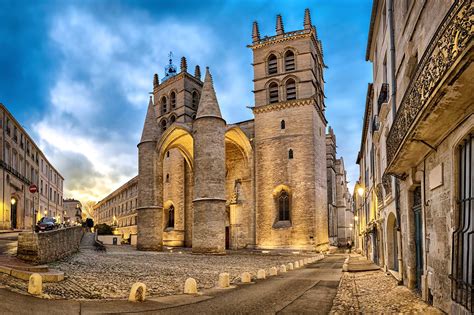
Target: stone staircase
x,y
87,241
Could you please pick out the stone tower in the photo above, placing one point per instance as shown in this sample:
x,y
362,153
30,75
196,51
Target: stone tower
x,y
209,174
177,96
149,189
291,207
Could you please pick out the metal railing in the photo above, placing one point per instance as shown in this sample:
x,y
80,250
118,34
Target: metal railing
x,y
462,264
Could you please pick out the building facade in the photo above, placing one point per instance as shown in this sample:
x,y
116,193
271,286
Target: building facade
x,y
22,165
72,211
118,209
340,212
260,183
414,205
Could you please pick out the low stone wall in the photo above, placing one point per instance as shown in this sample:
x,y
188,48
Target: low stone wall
x,y
44,247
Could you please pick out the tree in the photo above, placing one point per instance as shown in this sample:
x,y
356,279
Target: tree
x,y
89,208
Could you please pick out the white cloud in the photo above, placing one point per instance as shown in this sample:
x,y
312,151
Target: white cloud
x,y
99,97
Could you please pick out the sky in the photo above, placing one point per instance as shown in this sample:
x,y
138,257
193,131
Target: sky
x,y
77,74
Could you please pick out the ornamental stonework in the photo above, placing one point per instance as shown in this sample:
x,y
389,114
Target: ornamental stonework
x,y
451,39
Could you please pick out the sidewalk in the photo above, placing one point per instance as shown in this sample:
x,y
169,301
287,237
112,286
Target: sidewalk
x,y
367,289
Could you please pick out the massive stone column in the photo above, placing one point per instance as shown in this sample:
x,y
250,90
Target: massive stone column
x,y
209,174
150,190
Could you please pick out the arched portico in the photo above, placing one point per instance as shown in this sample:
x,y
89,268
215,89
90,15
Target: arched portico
x,y
240,216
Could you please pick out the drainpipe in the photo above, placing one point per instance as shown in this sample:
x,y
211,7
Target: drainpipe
x,y
393,98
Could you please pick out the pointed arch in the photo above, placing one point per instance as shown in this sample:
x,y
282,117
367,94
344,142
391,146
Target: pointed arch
x,y
164,104
236,136
195,99
290,60
273,92
272,64
180,137
172,100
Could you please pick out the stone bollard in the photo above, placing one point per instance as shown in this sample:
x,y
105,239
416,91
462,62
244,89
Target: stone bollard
x,y
35,285
190,286
261,274
273,271
138,292
245,277
282,268
297,264
224,280
290,266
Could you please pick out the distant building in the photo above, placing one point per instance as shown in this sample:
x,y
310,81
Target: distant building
x,y
22,164
72,211
340,215
118,209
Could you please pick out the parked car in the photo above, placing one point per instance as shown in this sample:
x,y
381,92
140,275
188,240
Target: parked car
x,y
46,224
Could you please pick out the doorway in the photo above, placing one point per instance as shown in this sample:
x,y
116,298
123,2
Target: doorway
x,y
13,213
227,237
418,235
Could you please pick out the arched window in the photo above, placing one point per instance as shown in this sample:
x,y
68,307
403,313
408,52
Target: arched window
x,y
167,178
272,64
282,124
168,154
172,119
290,89
163,125
173,100
194,116
163,105
195,100
284,206
171,217
273,92
289,61
290,154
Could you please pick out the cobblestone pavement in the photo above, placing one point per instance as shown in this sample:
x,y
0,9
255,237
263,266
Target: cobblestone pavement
x,y
375,292
110,275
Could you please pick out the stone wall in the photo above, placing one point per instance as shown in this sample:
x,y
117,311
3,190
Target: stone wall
x,y
41,248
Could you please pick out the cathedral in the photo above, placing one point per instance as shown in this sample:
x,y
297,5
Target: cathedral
x,y
260,183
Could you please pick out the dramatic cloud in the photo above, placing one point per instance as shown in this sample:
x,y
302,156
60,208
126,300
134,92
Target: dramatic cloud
x,y
99,94
87,70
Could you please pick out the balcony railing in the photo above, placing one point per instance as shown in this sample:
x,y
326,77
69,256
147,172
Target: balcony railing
x,y
14,172
441,54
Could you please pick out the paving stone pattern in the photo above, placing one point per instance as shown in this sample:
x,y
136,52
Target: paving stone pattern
x,y
376,292
110,275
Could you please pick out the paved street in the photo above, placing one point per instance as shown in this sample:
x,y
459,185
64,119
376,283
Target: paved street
x,y
8,243
308,290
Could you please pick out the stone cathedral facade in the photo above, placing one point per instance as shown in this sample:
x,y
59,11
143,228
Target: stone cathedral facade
x,y
261,183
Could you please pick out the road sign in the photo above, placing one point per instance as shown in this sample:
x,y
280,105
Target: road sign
x,y
33,188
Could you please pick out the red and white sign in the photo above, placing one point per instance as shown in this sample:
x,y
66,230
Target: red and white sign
x,y
33,189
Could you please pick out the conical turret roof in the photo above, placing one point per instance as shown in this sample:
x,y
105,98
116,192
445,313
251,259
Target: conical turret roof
x,y
208,105
150,127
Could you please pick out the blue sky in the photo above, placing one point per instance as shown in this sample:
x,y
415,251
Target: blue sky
x,y
76,74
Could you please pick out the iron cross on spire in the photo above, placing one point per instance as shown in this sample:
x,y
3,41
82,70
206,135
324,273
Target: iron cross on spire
x,y
170,55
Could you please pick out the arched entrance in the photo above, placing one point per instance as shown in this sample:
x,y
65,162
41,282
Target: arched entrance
x,y
175,168
392,242
13,212
239,221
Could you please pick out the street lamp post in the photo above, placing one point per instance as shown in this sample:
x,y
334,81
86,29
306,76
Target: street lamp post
x,y
33,189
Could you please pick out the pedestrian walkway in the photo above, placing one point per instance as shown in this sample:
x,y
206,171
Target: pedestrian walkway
x,y
88,241
357,263
309,290
372,291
